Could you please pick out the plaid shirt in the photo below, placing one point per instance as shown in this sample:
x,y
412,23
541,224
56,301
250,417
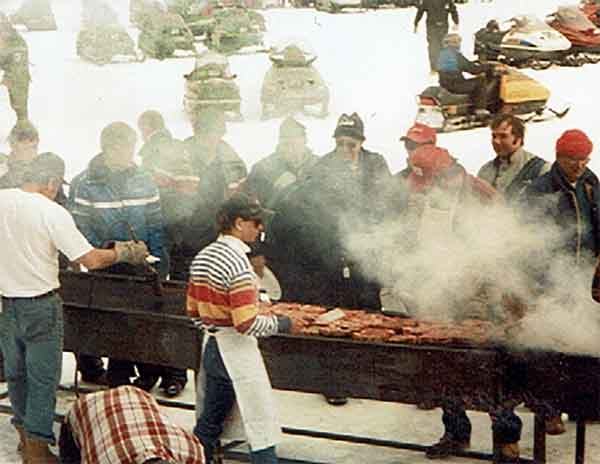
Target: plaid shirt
x,y
124,426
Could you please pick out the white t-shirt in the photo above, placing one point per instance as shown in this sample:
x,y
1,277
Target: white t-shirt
x,y
32,231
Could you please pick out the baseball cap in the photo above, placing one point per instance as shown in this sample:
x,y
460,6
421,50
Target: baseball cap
x,y
241,205
421,134
350,126
45,166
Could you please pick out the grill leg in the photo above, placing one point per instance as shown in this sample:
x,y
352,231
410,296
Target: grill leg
x,y
580,442
539,440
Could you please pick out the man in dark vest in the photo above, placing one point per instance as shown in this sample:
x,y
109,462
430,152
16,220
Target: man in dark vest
x,y
513,168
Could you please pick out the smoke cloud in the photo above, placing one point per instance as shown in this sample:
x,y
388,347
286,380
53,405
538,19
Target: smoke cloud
x,y
489,263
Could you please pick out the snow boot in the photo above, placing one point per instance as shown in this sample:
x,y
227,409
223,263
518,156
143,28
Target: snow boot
x,y
37,452
22,439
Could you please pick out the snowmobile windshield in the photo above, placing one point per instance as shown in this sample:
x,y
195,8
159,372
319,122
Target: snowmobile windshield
x,y
528,24
300,43
573,18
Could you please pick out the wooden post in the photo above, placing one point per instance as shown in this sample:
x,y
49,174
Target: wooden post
x,y
539,440
580,442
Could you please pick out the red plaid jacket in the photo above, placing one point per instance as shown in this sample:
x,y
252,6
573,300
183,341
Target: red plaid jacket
x,y
125,426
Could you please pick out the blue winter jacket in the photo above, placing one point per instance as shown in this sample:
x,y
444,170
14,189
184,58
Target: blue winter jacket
x,y
109,205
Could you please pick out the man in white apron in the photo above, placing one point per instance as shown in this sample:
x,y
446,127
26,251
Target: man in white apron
x,y
223,293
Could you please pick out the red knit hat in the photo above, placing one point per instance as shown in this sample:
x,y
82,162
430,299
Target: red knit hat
x,y
431,160
420,133
574,144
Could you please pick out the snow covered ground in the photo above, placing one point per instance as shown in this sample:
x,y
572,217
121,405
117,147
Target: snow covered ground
x,y
374,65
372,62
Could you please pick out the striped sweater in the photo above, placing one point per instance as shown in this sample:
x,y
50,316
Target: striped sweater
x,y
223,290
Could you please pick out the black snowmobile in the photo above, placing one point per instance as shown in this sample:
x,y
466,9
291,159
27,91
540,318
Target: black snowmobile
x,y
515,93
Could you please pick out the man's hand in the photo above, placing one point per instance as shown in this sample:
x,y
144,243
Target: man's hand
x,y
131,252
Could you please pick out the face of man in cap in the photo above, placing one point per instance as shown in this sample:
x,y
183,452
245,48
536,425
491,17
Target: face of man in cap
x,y
248,230
572,168
348,147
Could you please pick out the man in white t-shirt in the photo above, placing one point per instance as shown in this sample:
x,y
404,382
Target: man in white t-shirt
x,y
33,229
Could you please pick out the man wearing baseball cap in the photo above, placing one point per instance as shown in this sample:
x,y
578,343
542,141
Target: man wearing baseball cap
x,y
33,229
417,136
223,293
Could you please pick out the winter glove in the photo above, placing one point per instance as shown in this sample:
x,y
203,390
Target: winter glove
x,y
131,252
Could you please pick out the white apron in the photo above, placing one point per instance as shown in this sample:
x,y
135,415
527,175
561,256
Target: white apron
x,y
253,417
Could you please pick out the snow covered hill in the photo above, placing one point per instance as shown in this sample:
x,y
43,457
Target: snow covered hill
x,y
372,62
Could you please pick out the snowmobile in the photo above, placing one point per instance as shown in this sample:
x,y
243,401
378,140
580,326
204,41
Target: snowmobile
x,y
293,84
517,94
522,41
584,36
336,6
141,11
211,84
35,15
197,16
102,39
165,35
235,29
591,8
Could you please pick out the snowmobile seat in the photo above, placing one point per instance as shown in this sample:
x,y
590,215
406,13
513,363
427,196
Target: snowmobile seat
x,y
444,97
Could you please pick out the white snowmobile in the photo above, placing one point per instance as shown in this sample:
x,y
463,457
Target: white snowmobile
x,y
35,15
102,39
293,84
211,85
516,93
522,41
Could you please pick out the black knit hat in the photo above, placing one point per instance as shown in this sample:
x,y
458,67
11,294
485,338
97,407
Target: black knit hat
x,y
350,126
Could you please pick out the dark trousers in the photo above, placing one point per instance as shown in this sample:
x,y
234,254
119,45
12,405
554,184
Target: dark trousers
x,y
219,398
481,89
91,367
435,35
18,95
506,425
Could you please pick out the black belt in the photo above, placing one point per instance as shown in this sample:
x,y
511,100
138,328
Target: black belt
x,y
38,297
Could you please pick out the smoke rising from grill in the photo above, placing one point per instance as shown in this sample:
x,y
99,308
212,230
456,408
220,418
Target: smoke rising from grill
x,y
488,264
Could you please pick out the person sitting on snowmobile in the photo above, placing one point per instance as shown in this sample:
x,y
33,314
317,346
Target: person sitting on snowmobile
x,y
451,65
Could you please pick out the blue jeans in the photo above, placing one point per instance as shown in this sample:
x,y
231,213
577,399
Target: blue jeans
x,y
219,398
31,336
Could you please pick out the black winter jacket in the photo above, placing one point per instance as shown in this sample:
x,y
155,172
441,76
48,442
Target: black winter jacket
x,y
437,12
576,211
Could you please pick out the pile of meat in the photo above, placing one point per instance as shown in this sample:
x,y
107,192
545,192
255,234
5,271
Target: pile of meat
x,y
374,327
